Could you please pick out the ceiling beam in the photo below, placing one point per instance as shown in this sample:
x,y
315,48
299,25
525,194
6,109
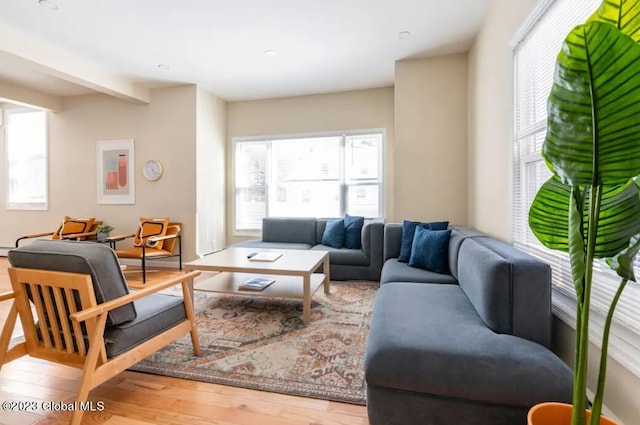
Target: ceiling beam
x,y
13,93
64,65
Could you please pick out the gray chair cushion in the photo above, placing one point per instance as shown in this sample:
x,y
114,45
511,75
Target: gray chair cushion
x,y
80,257
458,235
395,271
427,338
287,229
156,313
345,256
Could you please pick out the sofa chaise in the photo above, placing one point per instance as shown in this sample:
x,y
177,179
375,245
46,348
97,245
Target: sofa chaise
x,y
306,233
466,347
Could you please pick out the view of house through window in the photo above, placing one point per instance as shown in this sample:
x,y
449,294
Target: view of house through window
x,y
26,159
324,176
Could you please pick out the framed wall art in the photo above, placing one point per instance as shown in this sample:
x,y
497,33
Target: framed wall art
x,y
116,172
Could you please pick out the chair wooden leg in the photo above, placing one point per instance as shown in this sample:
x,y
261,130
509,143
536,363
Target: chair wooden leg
x,y
7,330
86,383
188,307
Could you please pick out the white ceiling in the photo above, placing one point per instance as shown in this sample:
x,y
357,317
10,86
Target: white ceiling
x,y
320,45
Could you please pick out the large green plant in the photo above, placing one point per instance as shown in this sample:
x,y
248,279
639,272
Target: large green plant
x,y
590,208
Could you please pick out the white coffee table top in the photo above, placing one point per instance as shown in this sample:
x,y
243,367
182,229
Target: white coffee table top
x,y
292,261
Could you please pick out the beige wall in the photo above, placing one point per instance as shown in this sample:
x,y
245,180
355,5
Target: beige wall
x,y
489,146
430,151
165,130
210,158
490,76
361,109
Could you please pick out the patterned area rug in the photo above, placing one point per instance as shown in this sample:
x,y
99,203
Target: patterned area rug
x,y
261,343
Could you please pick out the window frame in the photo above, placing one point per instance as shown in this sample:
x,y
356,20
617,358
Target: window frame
x,y
342,179
624,343
25,206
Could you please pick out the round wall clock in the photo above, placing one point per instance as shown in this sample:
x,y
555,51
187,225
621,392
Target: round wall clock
x,y
152,170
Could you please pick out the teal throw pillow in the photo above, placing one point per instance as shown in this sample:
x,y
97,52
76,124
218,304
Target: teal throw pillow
x,y
430,250
333,235
352,231
409,229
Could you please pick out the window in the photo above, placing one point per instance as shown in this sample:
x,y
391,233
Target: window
x,y
310,176
535,50
26,156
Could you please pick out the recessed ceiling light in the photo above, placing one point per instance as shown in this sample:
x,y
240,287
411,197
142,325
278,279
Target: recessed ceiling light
x,y
48,4
164,67
270,52
404,34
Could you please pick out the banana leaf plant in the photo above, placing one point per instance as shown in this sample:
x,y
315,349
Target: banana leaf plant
x,y
590,207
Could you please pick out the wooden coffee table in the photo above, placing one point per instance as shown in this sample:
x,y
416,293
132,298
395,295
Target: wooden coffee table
x,y
293,273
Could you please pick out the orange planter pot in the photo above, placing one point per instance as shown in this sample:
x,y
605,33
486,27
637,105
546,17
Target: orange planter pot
x,y
558,414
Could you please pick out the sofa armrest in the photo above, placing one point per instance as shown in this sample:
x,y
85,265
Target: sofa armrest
x,y
392,240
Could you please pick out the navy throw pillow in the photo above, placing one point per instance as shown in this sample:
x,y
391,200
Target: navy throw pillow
x,y
430,250
333,235
352,231
409,229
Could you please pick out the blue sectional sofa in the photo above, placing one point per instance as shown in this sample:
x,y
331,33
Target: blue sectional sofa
x,y
306,233
468,347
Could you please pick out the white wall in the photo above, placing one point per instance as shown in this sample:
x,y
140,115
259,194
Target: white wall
x,y
165,129
210,159
361,109
490,103
430,150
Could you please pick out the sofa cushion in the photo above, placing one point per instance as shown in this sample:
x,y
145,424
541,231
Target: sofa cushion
x,y
289,229
333,235
344,256
352,231
428,339
395,271
408,232
485,278
272,245
430,250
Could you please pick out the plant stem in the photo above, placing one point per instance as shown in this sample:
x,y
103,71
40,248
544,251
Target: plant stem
x,y
596,410
582,335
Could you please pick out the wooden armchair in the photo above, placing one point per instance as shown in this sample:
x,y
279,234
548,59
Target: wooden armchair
x,y
154,239
84,314
71,228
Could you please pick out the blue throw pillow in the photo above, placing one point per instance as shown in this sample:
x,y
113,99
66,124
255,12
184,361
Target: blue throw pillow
x,y
430,250
409,229
333,235
352,231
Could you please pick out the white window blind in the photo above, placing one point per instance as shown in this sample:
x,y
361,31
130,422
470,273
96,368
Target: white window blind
x,y
26,159
535,49
307,176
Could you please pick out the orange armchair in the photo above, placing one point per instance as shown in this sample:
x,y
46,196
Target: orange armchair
x,y
71,229
154,239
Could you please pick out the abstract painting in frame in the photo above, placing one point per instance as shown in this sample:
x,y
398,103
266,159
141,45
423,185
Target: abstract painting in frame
x,y
116,172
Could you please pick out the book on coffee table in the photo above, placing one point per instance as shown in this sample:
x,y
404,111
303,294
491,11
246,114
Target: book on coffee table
x,y
256,284
265,256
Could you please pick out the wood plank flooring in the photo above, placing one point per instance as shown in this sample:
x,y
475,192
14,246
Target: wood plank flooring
x,y
133,398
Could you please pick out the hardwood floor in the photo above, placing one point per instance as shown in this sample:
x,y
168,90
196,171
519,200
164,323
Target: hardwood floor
x,y
133,398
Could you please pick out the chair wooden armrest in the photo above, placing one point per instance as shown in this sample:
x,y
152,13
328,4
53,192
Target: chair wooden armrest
x,y
33,235
119,238
7,295
79,235
153,239
119,302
